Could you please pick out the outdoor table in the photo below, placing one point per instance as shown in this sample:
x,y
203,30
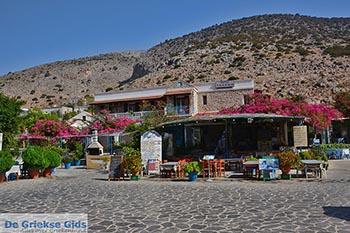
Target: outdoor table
x,y
313,165
236,162
249,167
168,168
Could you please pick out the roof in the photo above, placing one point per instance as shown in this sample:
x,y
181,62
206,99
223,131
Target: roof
x,y
212,117
159,92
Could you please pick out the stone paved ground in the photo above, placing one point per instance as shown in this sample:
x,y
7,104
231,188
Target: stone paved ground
x,y
230,205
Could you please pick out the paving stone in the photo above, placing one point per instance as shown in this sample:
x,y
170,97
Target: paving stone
x,y
225,205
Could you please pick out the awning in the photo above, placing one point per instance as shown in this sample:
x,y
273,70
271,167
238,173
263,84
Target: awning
x,y
213,117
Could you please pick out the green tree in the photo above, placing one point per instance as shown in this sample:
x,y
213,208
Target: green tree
x,y
10,110
69,115
155,116
33,115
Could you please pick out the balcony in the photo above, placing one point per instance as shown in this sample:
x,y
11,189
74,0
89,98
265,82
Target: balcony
x,y
131,115
179,110
171,110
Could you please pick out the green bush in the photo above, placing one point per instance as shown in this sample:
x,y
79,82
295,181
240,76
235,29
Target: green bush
x,y
6,161
53,156
335,146
34,157
132,160
193,166
77,151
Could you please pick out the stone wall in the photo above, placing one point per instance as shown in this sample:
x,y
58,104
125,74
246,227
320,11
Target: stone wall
x,y
218,100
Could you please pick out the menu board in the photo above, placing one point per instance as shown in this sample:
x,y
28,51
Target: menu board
x,y
300,136
115,167
151,146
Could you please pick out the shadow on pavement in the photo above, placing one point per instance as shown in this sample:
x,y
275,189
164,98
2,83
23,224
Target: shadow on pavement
x,y
337,212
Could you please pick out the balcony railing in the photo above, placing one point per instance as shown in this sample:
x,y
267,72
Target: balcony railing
x,y
170,110
179,110
130,115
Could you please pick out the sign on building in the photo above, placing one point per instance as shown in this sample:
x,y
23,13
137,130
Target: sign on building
x,y
151,146
225,84
300,136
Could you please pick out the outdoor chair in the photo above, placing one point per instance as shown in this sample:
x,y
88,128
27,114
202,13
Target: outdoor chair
x,y
221,167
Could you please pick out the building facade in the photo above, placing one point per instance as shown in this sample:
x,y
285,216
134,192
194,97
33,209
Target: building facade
x,y
181,100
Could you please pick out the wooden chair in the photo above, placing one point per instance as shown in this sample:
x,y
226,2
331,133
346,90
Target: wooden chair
x,y
213,168
221,167
180,168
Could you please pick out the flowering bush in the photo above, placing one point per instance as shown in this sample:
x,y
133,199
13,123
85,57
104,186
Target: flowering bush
x,y
48,131
318,115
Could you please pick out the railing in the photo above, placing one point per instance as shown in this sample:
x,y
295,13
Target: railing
x,y
179,110
130,115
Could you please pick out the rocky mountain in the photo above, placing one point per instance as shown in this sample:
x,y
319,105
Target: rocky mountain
x,y
286,55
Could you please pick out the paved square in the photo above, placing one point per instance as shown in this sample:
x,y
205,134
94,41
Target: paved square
x,y
230,205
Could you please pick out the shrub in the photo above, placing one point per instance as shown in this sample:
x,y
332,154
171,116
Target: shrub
x,y
34,157
53,156
287,160
132,160
193,166
6,161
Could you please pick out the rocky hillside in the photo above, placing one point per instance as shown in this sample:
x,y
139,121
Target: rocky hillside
x,y
286,55
59,82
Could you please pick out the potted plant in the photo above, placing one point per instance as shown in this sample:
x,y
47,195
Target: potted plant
x,y
54,158
6,162
77,153
132,162
67,160
287,160
193,168
34,159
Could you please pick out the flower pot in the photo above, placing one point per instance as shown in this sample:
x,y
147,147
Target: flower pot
x,y
285,170
193,176
34,173
67,165
72,163
77,163
286,176
2,176
47,172
135,177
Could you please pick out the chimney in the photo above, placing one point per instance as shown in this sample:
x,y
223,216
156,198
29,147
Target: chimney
x,y
95,148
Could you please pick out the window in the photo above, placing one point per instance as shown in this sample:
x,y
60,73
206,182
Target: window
x,y
205,100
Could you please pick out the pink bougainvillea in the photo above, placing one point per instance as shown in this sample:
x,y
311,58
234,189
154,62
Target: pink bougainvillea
x,y
51,130
318,115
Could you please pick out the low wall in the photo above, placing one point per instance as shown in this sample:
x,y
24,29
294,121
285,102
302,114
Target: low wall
x,y
95,161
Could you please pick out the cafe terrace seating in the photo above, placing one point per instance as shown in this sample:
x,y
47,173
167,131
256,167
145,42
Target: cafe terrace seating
x,y
212,165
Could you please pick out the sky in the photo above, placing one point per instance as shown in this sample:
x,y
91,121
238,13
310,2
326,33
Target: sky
x,y
35,32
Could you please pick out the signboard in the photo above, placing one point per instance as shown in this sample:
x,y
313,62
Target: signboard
x,y
225,84
115,167
151,146
1,136
268,166
208,157
300,136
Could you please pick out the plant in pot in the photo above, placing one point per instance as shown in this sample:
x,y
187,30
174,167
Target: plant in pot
x,y
287,160
54,158
67,160
77,153
193,168
132,162
34,160
6,162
